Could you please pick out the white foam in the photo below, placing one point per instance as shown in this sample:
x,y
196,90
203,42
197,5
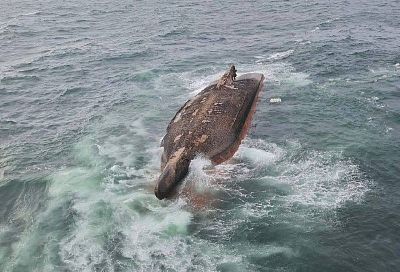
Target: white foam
x,y
315,29
152,233
33,12
257,156
276,73
197,84
375,101
306,185
388,129
280,55
259,152
384,73
199,179
321,180
148,226
257,209
279,73
145,234
268,250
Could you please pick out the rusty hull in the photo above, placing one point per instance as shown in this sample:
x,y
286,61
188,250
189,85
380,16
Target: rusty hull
x,y
213,123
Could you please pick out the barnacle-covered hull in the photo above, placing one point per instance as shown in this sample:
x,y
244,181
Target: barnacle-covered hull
x,y
212,123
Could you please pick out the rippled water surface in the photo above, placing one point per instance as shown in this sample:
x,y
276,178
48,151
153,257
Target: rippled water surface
x,y
87,89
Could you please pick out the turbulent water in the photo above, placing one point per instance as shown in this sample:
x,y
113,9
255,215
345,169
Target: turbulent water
x,y
87,90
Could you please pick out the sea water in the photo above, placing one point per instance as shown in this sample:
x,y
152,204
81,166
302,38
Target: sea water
x,y
87,89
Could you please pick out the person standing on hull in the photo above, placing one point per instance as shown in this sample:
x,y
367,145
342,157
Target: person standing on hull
x,y
228,78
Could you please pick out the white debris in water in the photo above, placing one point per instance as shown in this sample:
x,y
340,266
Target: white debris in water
x,y
275,100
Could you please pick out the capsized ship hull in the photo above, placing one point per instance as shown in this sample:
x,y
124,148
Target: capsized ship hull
x,y
213,123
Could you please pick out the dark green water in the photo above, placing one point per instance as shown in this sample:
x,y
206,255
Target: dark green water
x,y
88,88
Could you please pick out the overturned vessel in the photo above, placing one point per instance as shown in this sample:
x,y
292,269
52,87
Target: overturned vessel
x,y
213,123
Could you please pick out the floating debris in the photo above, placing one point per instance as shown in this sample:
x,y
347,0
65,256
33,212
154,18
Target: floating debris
x,y
275,100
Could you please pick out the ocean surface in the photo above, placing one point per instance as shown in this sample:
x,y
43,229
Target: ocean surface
x,y
87,89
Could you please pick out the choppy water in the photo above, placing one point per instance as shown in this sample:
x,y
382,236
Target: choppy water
x,y
87,89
